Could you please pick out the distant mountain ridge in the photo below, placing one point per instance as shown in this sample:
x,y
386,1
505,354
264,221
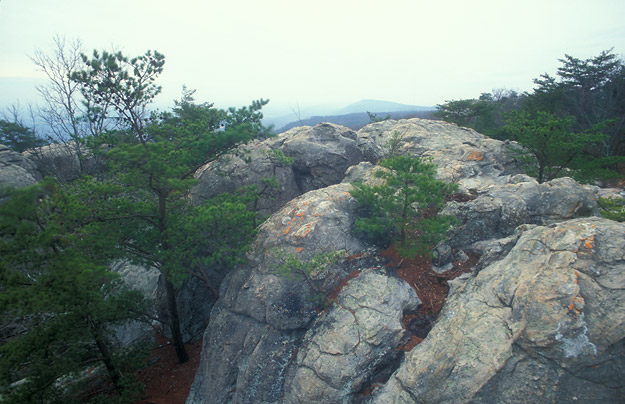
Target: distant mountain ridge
x,y
380,106
354,120
353,115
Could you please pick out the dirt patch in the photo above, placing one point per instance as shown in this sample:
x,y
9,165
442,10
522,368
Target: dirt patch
x,y
459,197
332,296
430,286
166,381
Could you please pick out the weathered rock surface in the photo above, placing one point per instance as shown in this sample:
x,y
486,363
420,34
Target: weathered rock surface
x,y
546,323
16,170
353,341
261,319
320,154
64,161
195,302
249,165
540,320
462,155
499,209
146,281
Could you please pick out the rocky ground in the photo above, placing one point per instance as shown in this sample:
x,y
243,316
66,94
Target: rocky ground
x,y
517,327
533,279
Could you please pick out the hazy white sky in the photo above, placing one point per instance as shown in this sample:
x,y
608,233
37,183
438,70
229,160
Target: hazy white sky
x,y
310,52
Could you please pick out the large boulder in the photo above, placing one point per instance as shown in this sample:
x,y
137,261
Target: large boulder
x,y
498,209
63,161
321,154
261,318
353,341
301,159
540,319
462,155
545,323
16,171
252,164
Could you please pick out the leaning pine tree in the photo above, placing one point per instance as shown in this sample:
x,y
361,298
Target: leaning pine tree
x,y
143,196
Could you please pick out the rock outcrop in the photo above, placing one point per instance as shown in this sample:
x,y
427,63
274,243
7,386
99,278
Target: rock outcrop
x,y
499,208
16,170
354,341
146,281
65,161
539,320
544,323
261,317
320,155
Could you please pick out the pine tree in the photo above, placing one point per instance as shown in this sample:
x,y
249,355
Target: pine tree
x,y
404,208
144,199
58,294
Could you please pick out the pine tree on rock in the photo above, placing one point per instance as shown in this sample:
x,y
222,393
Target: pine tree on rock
x,y
152,162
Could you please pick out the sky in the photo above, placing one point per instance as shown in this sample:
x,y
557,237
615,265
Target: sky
x,y
302,53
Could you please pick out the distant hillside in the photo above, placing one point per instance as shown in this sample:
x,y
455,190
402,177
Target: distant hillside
x,y
328,112
355,120
376,106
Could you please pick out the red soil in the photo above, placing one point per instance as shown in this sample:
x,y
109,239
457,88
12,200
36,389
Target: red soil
x,y
431,287
166,381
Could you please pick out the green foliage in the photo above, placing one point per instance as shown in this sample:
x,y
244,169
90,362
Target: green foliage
x,y
460,112
113,81
612,208
18,137
56,285
215,234
485,115
143,198
404,208
279,157
585,100
374,117
590,90
393,145
153,179
550,146
292,267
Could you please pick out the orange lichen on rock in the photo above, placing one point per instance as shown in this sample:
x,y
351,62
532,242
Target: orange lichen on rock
x,y
299,249
588,242
577,305
475,156
288,229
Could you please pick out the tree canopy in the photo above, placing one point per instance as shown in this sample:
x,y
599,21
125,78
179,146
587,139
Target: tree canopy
x,y
151,163
57,241
404,208
585,100
58,298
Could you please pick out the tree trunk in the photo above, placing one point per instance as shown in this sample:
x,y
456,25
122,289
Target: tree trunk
x,y
106,357
174,326
172,306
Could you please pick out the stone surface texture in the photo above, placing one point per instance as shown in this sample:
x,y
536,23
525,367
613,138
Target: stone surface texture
x,y
352,341
540,319
16,170
320,155
546,323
